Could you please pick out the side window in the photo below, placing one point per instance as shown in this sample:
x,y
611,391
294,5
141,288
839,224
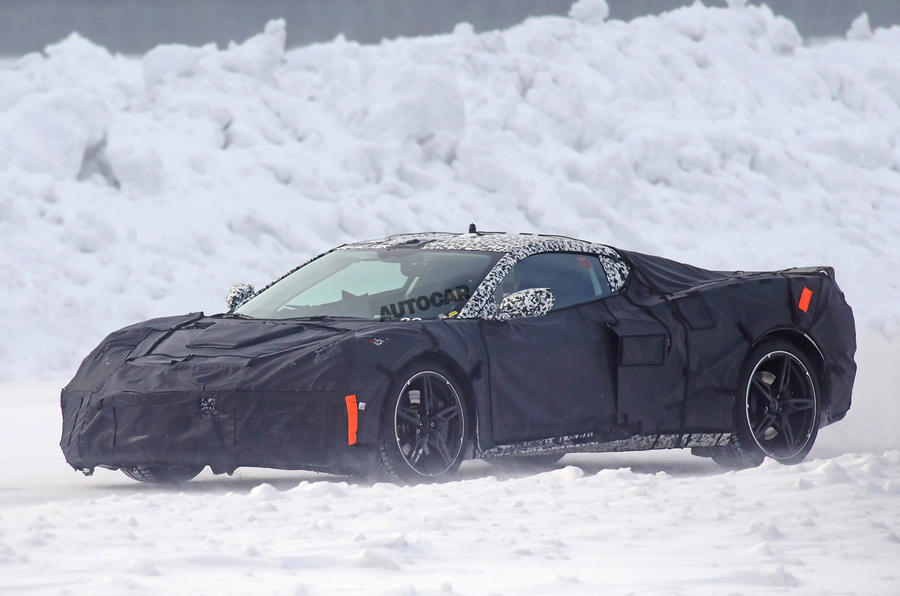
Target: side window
x,y
573,278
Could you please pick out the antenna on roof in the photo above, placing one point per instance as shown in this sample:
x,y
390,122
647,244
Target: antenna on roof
x,y
472,229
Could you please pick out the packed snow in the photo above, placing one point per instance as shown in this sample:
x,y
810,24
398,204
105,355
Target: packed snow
x,y
137,187
133,187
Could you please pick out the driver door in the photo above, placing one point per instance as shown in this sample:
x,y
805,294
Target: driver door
x,y
553,375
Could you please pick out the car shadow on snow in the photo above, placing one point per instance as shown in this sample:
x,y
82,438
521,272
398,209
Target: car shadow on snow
x,y
677,464
243,480
674,464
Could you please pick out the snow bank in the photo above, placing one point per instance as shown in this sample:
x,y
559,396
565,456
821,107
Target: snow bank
x,y
135,187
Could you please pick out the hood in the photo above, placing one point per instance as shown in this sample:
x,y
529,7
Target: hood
x,y
215,337
194,352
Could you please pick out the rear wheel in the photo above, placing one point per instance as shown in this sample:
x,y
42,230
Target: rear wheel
x,y
161,474
424,427
777,409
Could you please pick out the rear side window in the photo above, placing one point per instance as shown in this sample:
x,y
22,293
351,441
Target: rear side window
x,y
573,278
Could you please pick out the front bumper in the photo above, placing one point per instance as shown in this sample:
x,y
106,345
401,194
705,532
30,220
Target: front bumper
x,y
224,429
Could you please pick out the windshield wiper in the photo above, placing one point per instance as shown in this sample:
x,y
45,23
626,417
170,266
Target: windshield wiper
x,y
329,318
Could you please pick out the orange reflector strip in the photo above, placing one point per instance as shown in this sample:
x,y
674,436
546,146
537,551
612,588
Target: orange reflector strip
x,y
352,419
805,297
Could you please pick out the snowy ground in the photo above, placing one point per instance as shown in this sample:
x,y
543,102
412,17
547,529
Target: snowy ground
x,y
646,523
133,187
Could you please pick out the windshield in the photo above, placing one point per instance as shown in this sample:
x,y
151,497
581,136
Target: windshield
x,y
395,283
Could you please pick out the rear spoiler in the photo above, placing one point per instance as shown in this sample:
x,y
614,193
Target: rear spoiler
x,y
821,270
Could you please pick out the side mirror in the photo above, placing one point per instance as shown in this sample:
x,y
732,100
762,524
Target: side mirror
x,y
238,294
533,302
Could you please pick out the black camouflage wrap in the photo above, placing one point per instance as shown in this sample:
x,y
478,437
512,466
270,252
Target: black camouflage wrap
x,y
654,365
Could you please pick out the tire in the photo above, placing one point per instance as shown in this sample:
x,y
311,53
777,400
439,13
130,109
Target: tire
x,y
525,462
162,474
776,410
424,427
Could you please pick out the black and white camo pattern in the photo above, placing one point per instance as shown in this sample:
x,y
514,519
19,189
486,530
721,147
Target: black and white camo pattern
x,y
239,294
529,244
616,269
398,240
482,304
515,246
208,407
494,242
587,443
532,302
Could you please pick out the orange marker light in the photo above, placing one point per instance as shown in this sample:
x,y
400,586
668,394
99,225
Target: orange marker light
x,y
805,297
352,419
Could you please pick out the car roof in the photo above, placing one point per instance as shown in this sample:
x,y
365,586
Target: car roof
x,y
501,242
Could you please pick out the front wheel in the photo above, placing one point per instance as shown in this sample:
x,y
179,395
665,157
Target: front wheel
x,y
162,474
776,410
424,427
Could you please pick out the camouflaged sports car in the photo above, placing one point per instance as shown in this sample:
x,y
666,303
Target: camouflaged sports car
x,y
406,355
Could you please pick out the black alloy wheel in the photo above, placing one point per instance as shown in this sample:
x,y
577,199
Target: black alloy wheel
x,y
777,409
781,408
424,428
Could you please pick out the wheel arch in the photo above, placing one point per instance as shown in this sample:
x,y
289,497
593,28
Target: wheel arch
x,y
810,349
450,364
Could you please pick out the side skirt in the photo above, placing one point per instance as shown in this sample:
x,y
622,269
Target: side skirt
x,y
586,443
